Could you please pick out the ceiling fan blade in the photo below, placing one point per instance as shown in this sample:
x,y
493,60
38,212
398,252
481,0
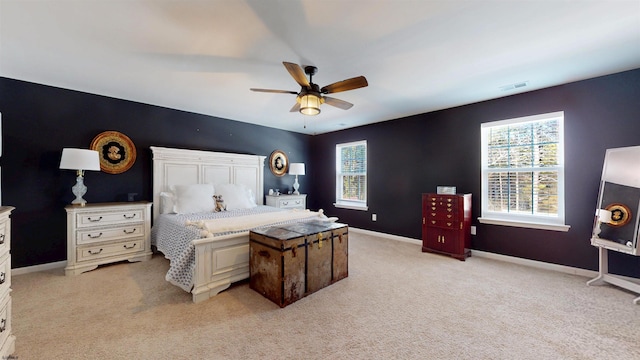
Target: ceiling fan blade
x,y
297,73
295,107
338,103
344,85
274,91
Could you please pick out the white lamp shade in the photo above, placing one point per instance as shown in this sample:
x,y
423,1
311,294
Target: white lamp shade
x,y
296,169
80,159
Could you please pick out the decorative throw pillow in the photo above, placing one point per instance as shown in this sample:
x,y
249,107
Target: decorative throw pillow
x,y
193,198
167,202
235,196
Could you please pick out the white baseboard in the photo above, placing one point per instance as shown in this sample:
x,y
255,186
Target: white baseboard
x,y
493,256
36,268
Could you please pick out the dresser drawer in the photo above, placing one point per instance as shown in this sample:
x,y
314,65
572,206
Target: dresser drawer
x,y
4,237
5,320
106,250
108,218
89,236
291,204
5,274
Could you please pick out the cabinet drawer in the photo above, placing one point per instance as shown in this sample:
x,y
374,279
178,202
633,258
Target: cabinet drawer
x,y
4,237
107,218
5,320
102,251
444,224
291,204
89,236
5,275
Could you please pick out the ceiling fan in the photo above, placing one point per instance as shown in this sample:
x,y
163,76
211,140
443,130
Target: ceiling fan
x,y
311,96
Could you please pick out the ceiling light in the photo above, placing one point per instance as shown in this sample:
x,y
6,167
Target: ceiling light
x,y
310,104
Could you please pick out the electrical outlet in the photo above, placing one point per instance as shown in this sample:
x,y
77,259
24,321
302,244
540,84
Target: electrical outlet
x,y
374,217
473,230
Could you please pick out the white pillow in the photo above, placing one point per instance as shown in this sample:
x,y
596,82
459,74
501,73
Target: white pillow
x,y
167,202
193,198
235,196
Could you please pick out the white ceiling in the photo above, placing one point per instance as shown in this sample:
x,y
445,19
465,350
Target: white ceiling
x,y
418,56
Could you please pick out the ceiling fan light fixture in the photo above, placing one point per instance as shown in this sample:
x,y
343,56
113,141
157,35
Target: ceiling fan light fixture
x,y
310,104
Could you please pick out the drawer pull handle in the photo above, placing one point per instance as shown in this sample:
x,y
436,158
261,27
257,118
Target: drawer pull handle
x,y
266,254
1,239
294,251
3,278
129,247
129,216
129,232
94,220
3,325
285,203
94,253
94,236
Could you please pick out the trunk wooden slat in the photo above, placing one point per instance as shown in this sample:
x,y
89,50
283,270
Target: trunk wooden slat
x,y
290,262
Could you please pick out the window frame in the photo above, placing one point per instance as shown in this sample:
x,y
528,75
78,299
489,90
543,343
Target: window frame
x,y
348,203
556,223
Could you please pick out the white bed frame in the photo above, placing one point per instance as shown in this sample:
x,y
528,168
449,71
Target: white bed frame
x,y
221,260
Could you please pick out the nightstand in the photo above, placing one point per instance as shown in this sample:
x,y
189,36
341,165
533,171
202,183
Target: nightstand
x,y
104,233
287,201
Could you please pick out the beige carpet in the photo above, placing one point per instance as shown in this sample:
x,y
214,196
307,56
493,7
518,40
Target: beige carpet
x,y
397,303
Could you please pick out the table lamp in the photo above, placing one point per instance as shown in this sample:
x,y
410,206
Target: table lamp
x,y
296,169
79,160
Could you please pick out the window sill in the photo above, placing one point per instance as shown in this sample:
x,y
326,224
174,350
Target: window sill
x,y
351,206
523,224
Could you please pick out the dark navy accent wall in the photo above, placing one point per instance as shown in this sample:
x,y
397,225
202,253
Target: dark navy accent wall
x,y
413,155
38,121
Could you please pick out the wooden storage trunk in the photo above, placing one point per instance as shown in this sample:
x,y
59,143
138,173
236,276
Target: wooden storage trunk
x,y
288,262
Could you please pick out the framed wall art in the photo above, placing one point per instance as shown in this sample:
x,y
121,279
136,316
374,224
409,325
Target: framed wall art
x,y
117,151
278,163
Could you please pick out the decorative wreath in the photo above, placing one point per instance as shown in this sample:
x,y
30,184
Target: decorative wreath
x,y
117,152
620,214
278,163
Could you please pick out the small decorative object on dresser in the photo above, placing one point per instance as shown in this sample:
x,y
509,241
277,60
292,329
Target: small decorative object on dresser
x,y
105,233
287,201
446,224
7,339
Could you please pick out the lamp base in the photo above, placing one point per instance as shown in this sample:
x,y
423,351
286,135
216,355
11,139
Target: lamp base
x,y
296,186
79,189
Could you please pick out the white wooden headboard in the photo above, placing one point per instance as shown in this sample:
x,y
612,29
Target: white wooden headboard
x,y
184,167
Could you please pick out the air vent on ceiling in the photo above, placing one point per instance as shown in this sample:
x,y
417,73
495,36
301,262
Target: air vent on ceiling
x,y
514,86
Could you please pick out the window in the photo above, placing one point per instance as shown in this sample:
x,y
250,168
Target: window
x,y
351,175
523,172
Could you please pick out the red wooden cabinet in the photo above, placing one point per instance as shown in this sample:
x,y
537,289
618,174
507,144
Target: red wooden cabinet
x,y
446,224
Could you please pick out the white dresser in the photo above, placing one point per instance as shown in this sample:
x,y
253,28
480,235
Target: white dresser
x,y
7,339
107,232
287,201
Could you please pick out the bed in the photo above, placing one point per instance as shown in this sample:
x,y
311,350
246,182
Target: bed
x,y
203,261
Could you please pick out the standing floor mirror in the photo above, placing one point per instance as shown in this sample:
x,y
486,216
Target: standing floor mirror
x,y
617,219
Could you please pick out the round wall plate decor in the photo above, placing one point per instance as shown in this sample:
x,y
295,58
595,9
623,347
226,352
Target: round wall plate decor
x,y
620,214
278,163
117,152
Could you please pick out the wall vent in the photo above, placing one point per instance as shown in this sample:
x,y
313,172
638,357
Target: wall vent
x,y
514,86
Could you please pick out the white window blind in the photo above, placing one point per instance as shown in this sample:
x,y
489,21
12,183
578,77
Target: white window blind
x,y
351,175
523,169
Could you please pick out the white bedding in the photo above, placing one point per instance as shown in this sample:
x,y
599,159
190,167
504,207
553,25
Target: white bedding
x,y
173,234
